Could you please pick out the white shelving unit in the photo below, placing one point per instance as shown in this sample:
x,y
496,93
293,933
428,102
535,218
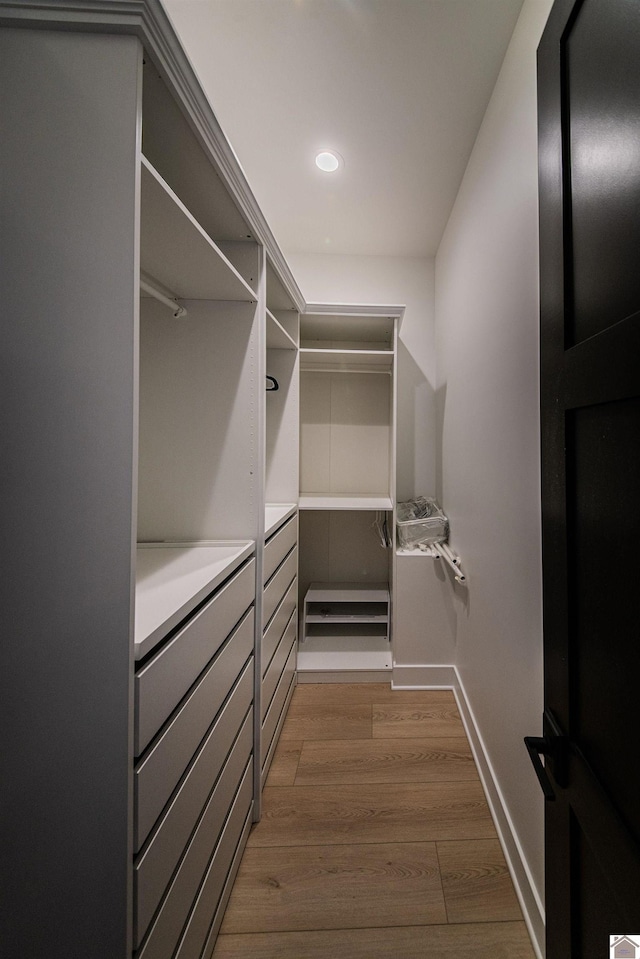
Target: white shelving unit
x,y
278,640
151,450
199,511
328,606
347,408
282,405
347,476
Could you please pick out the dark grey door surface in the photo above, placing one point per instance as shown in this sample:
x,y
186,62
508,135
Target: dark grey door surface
x,y
589,161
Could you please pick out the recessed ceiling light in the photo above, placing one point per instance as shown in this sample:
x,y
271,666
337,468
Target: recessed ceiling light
x,y
328,161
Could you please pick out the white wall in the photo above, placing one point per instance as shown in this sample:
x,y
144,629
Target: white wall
x,y
488,429
329,278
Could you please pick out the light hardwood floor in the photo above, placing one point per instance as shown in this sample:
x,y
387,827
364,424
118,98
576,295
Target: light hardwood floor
x,y
376,840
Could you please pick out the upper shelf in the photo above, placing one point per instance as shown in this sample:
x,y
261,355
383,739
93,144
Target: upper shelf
x,y
277,336
369,332
345,501
375,361
176,251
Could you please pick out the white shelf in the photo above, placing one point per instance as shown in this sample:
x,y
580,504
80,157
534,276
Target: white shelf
x,y
347,653
428,553
348,593
345,327
275,514
334,618
172,578
176,251
345,501
277,336
353,361
172,147
345,613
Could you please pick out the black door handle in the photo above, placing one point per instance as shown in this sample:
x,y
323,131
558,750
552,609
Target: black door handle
x,y
554,746
537,745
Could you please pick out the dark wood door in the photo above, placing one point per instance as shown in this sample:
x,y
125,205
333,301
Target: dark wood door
x,y
589,143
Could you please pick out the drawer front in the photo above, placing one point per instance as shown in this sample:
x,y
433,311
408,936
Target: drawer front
x,y
197,866
278,546
161,684
277,626
195,935
158,774
273,713
277,664
153,873
278,585
155,867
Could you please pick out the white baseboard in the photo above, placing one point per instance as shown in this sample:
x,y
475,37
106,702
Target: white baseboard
x,y
438,677
343,676
424,677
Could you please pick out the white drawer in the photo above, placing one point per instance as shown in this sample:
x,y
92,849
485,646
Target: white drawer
x,y
161,684
274,671
278,584
196,933
154,870
278,546
278,701
158,774
166,930
278,624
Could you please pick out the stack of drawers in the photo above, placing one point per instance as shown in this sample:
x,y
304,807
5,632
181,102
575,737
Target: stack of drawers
x,y
279,645
193,776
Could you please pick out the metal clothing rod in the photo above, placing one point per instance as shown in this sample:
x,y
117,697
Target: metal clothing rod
x,y
443,551
150,287
446,549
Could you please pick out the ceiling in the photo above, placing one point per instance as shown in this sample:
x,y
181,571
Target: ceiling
x,y
397,87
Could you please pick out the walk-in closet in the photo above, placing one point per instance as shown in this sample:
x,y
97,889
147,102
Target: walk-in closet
x,y
208,430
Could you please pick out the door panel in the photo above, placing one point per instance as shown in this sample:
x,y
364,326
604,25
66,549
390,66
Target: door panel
x,y
603,479
595,911
602,132
589,131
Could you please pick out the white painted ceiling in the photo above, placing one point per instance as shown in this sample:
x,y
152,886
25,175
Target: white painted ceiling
x,y
397,87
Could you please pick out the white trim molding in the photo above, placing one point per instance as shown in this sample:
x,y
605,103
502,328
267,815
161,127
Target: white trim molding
x,y
448,677
424,677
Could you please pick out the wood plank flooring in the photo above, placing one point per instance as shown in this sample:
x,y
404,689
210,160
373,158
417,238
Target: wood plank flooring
x,y
376,840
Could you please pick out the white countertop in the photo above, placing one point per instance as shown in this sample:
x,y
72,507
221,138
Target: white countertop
x,y
275,514
172,578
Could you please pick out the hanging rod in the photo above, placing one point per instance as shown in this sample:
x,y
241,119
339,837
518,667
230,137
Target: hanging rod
x,y
149,285
444,551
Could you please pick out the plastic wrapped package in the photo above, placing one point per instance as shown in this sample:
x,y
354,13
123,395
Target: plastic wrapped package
x,y
421,522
